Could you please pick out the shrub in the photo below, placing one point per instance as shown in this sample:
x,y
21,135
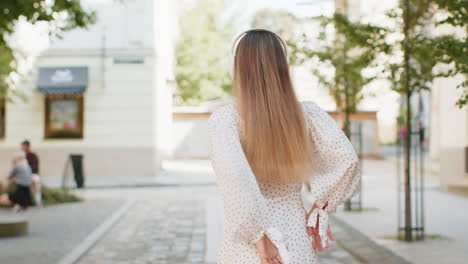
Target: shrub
x,y
57,196
51,195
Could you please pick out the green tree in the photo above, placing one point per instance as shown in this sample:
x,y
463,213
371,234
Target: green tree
x,y
66,15
453,49
422,52
7,66
354,49
351,48
203,64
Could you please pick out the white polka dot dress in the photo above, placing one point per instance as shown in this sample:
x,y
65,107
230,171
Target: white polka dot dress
x,y
253,208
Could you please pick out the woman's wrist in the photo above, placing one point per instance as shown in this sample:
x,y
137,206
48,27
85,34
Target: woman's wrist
x,y
262,241
314,206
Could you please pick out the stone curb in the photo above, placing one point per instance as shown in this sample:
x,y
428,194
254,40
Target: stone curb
x,y
150,185
360,246
138,185
95,235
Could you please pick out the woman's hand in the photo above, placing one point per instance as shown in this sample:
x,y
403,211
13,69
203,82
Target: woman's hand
x,y
314,232
316,239
268,252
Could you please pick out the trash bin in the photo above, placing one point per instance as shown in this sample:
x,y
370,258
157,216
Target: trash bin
x,y
77,165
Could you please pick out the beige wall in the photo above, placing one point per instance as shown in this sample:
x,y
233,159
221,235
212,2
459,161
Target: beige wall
x,y
102,161
449,132
190,133
449,128
118,119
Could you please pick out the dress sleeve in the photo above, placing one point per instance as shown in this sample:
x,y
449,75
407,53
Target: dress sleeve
x,y
244,205
337,177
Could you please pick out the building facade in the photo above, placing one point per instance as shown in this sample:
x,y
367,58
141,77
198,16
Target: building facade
x,y
104,93
449,128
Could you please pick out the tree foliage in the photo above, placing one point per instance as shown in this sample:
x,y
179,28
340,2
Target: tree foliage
x,y
427,52
456,11
7,66
203,64
62,15
349,49
451,49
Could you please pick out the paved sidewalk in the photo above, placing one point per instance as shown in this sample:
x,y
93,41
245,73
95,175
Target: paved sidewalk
x,y
173,173
446,217
54,231
167,226
181,223
360,246
356,244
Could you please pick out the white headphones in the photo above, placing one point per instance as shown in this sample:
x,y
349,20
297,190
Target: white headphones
x,y
240,36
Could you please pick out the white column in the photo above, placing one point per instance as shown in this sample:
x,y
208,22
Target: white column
x,y
165,28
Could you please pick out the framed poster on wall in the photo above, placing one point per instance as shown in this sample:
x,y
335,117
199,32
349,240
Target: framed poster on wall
x,y
64,116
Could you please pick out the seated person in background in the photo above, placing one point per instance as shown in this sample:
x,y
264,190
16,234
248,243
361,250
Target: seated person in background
x,y
20,174
33,162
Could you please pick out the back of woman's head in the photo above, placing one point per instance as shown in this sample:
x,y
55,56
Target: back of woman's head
x,y
273,131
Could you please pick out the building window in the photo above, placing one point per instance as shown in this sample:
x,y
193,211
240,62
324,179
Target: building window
x,y
2,117
64,116
129,61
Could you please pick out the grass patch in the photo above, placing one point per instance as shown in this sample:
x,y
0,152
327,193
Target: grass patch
x,y
426,237
458,190
51,196
365,209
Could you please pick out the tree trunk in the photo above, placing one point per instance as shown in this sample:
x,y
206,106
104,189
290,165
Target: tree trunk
x,y
407,91
342,8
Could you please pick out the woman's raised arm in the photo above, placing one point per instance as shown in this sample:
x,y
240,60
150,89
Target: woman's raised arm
x,y
337,177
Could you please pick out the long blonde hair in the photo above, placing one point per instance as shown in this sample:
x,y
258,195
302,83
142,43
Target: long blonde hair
x,y
274,136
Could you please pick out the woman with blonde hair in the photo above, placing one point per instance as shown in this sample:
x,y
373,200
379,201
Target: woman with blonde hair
x,y
20,174
263,147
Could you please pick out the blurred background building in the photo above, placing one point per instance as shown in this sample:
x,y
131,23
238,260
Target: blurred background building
x,y
104,92
115,92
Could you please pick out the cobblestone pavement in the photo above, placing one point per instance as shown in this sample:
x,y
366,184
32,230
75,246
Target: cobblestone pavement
x,y
157,232
167,226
